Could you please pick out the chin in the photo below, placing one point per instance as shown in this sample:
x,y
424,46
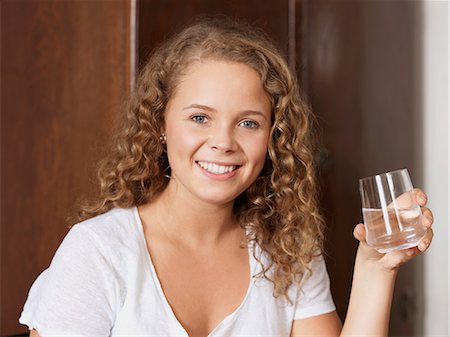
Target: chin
x,y
218,199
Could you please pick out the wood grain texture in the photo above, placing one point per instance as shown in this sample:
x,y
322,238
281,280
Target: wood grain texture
x,y
159,19
65,70
64,74
360,77
333,80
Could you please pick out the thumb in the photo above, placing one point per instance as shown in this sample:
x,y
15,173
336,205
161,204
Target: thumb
x,y
359,232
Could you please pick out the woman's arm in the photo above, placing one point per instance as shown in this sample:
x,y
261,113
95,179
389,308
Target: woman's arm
x,y
368,310
372,289
370,300
326,325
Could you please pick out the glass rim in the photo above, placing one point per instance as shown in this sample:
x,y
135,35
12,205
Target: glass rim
x,y
382,174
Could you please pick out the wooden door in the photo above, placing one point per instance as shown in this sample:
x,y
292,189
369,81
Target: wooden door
x,y
65,68
158,19
362,78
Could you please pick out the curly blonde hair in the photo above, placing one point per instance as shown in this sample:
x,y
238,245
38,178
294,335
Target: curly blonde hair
x,y
280,209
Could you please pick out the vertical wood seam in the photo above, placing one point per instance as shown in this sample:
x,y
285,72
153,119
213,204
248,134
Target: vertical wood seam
x,y
133,43
304,48
291,34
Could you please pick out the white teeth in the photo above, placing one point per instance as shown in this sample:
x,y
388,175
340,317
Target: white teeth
x,y
216,169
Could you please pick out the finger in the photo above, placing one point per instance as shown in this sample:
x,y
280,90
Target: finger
x,y
409,198
359,232
426,240
427,219
420,196
399,257
411,252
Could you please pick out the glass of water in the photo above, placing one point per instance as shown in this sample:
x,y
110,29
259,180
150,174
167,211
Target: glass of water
x,y
392,217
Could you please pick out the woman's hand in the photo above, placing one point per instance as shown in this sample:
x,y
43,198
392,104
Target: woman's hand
x,y
392,260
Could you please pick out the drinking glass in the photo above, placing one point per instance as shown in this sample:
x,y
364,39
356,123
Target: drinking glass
x,y
392,217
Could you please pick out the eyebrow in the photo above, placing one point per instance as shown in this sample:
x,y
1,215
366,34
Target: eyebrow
x,y
199,106
207,108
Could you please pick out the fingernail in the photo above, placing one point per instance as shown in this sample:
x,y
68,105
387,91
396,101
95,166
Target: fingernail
x,y
423,198
430,219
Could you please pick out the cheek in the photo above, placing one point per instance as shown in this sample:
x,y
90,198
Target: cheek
x,y
182,143
257,151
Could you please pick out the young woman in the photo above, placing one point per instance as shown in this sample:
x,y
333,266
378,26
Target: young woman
x,y
207,223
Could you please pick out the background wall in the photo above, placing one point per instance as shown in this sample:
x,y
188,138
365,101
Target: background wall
x,y
65,70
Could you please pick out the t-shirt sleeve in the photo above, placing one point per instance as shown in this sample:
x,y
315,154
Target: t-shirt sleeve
x,y
77,294
314,296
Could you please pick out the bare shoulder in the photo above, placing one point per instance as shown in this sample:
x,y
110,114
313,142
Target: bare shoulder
x,y
34,333
326,325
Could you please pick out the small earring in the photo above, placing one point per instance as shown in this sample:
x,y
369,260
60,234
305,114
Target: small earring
x,y
167,172
163,138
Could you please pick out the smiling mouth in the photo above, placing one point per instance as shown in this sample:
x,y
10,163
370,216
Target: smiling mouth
x,y
216,168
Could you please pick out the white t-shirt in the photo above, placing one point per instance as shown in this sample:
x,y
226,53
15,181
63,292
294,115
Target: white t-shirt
x,y
101,282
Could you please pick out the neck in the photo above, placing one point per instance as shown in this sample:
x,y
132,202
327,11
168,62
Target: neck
x,y
189,221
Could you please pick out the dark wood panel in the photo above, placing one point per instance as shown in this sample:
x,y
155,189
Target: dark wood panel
x,y
65,66
159,19
360,76
334,57
64,73
390,110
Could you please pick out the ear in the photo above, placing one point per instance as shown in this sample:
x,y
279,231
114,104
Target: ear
x,y
162,130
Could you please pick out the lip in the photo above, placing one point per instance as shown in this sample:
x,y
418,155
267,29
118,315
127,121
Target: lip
x,y
218,176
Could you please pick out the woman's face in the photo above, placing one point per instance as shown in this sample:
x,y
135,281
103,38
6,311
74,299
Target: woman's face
x,y
217,126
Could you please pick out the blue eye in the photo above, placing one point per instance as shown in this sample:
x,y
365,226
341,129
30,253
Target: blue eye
x,y
249,124
200,119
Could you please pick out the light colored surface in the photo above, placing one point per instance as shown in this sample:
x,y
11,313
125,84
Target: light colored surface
x,y
435,164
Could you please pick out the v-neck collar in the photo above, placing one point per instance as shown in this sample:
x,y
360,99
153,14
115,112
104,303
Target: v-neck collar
x,y
163,297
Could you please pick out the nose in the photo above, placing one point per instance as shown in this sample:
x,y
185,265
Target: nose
x,y
222,139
